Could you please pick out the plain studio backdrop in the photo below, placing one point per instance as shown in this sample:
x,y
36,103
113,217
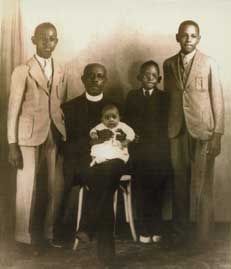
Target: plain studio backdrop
x,y
121,34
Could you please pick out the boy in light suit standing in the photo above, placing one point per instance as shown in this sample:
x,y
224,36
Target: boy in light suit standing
x,y
195,127
35,130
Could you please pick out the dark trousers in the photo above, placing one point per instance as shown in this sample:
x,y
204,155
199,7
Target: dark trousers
x,y
150,174
98,217
149,189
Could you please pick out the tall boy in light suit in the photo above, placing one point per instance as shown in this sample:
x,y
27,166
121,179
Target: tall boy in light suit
x,y
35,130
195,127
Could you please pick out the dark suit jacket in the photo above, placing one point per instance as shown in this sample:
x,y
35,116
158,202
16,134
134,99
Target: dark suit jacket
x,y
79,122
148,118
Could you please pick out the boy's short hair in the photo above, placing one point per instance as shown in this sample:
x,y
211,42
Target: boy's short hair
x,y
44,25
148,63
88,66
188,22
109,107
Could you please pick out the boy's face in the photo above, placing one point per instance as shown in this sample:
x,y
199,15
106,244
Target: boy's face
x,y
149,78
188,37
94,80
45,41
111,118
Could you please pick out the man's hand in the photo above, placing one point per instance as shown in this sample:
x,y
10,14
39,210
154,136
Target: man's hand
x,y
214,146
120,135
15,156
105,135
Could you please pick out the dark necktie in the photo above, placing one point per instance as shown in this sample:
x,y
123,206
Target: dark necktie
x,y
147,93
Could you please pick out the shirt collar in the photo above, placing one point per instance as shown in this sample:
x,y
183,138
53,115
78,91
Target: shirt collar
x,y
150,91
188,56
42,60
92,98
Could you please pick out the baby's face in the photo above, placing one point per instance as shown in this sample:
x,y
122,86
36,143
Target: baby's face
x,y
111,118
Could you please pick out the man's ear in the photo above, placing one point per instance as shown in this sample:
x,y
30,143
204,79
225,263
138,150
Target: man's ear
x,y
139,77
105,79
159,79
177,37
33,39
83,78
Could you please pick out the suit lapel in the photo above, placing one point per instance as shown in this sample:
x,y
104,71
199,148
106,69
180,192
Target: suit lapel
x,y
37,74
176,71
57,73
194,68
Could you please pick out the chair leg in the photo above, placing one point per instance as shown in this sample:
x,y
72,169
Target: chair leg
x,y
125,205
115,208
130,212
115,203
79,214
75,245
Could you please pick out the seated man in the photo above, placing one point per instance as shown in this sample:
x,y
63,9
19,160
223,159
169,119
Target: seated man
x,y
81,115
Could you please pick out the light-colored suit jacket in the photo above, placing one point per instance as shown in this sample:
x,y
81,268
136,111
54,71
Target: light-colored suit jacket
x,y
32,104
199,101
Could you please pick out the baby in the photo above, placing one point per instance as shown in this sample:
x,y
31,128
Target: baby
x,y
111,137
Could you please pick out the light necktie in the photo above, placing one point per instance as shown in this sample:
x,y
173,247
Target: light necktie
x,y
47,69
185,62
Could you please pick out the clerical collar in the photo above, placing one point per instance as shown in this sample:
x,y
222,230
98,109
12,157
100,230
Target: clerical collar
x,y
92,98
188,56
150,91
42,60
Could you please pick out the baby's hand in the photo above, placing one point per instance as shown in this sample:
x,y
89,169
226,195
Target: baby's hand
x,y
137,139
121,136
124,143
94,135
94,138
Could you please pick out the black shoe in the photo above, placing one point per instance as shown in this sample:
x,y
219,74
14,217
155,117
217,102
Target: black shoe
x,y
28,250
83,237
53,243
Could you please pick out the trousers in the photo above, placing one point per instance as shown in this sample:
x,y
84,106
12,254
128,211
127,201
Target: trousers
x,y
193,174
26,188
98,219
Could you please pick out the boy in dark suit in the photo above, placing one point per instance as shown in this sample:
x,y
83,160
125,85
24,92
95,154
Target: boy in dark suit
x,y
195,127
145,112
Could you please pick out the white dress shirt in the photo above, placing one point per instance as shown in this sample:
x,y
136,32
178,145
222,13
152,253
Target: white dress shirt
x,y
46,65
186,58
150,91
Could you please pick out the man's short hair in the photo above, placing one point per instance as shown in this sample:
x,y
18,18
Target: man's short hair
x,y
188,22
44,25
88,66
149,63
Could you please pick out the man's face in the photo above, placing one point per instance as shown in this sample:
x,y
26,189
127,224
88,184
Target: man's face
x,y
45,41
188,37
149,77
94,80
110,118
